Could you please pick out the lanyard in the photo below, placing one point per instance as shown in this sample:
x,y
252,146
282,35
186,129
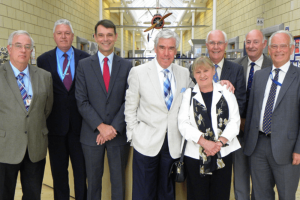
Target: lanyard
x,y
274,81
63,74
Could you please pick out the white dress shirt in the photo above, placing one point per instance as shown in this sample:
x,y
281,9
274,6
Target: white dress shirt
x,y
219,69
281,76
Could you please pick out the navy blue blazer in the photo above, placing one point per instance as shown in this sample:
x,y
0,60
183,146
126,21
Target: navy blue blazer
x,y
64,112
98,106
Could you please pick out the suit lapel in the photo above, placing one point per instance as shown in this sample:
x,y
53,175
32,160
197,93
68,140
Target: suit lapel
x,y
263,83
244,63
77,55
96,67
34,84
114,72
266,62
178,83
289,77
225,70
12,82
52,59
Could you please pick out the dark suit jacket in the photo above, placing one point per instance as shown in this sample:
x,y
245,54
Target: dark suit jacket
x,y
65,111
21,130
267,62
234,73
285,118
98,106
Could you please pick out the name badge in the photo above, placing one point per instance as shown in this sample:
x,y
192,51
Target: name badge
x,y
28,101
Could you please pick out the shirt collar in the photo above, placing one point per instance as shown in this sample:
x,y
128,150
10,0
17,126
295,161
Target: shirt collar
x,y
284,67
258,62
220,64
160,69
101,56
17,72
60,53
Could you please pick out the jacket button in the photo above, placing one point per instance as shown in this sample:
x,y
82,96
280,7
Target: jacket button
x,y
27,116
25,132
107,102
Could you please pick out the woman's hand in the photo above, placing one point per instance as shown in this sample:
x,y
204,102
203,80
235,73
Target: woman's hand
x,y
210,147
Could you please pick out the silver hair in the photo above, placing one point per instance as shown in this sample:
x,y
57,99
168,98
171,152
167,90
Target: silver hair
x,y
224,34
63,21
292,42
19,32
166,33
264,37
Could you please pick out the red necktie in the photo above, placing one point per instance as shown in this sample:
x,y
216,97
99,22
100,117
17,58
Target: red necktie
x,y
68,78
106,75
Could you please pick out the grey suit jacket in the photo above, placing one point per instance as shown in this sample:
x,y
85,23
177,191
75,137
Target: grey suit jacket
x,y
98,106
20,129
285,128
146,113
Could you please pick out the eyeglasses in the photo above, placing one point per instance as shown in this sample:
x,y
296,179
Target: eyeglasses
x,y
27,47
212,43
281,46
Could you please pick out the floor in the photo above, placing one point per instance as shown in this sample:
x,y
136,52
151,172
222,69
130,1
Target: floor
x,y
47,193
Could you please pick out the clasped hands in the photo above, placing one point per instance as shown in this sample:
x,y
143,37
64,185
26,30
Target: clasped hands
x,y
210,147
106,133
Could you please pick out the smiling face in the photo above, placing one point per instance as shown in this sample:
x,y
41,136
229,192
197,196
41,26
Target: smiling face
x,y
255,44
204,76
63,37
165,51
105,38
281,54
216,46
18,54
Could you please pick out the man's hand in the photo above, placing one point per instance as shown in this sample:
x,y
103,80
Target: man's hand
x,y
107,132
229,85
296,159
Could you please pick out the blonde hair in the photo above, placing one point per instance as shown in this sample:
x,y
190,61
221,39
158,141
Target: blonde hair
x,y
202,61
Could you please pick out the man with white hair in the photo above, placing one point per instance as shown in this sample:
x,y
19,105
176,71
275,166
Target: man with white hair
x,y
272,139
25,103
151,108
64,122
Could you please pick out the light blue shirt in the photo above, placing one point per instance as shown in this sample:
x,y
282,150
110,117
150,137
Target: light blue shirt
x,y
61,58
109,62
26,78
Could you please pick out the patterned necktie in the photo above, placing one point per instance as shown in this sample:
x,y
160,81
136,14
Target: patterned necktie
x,y
167,89
250,79
106,75
68,78
267,120
216,77
22,88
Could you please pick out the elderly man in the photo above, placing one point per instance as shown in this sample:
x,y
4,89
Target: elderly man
x,y
64,122
25,103
253,61
272,124
152,104
100,93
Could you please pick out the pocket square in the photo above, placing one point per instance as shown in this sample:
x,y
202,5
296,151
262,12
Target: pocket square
x,y
182,90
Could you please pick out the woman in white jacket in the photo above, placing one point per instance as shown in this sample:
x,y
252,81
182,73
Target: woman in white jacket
x,y
209,120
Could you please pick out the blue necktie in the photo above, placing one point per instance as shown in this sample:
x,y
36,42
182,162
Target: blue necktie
x,y
215,77
22,88
167,89
267,120
250,79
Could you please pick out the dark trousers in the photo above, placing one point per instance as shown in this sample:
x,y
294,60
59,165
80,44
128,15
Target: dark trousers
x,y
60,149
209,187
150,175
31,175
117,161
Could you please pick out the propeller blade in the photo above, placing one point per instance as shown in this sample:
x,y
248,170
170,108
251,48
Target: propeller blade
x,y
164,17
151,27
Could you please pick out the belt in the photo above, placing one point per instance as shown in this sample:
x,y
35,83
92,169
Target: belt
x,y
266,135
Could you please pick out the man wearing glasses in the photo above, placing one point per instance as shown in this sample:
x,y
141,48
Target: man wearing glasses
x,y
25,103
272,139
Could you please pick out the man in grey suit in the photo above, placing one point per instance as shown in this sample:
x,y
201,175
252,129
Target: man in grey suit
x,y
152,104
253,61
272,124
101,82
25,103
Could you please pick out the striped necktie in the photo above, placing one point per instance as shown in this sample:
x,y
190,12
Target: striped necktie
x,y
22,88
167,89
216,77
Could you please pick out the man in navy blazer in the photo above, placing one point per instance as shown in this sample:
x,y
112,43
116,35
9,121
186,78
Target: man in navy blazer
x,y
272,124
64,122
101,82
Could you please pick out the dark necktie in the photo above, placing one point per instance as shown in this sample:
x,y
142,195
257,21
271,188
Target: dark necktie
x,y
106,75
216,77
167,89
250,79
267,120
22,88
68,77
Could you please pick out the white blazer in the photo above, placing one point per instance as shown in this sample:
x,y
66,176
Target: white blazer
x,y
188,127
